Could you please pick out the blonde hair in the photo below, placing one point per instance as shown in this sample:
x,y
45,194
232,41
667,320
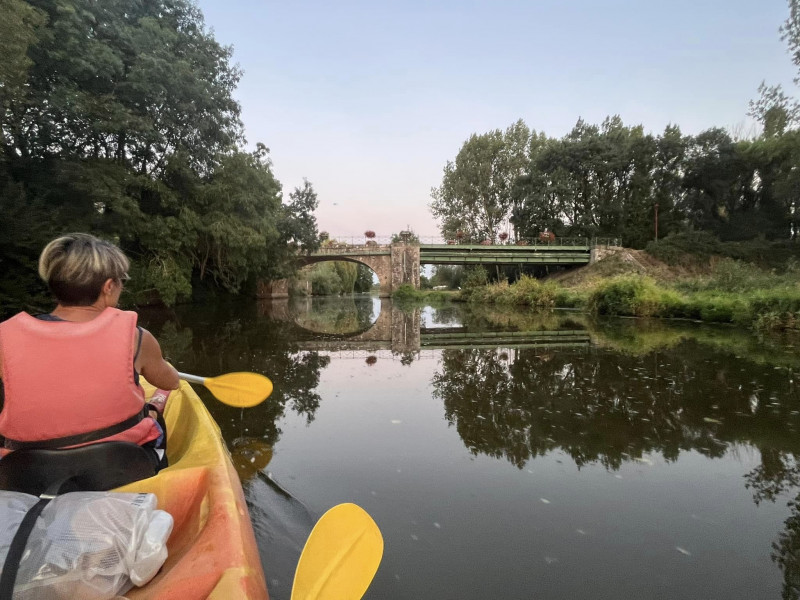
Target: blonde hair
x,y
76,266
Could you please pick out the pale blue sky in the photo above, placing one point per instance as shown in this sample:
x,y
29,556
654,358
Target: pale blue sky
x,y
369,100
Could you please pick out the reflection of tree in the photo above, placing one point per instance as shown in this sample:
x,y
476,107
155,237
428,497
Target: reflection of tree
x,y
447,315
786,553
334,316
234,338
608,407
779,473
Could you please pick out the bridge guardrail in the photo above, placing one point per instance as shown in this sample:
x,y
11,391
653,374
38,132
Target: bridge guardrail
x,y
362,241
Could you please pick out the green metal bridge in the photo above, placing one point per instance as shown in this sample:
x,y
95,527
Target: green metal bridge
x,y
562,252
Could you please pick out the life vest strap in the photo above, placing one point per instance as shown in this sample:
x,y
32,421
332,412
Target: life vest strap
x,y
80,438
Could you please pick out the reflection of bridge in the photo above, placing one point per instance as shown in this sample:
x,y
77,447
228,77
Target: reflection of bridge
x,y
401,331
397,264
455,338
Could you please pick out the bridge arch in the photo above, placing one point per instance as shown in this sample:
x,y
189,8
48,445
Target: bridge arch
x,y
379,264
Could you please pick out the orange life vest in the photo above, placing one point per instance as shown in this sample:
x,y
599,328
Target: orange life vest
x,y
65,379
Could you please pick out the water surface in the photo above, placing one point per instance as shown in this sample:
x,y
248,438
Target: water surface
x,y
507,454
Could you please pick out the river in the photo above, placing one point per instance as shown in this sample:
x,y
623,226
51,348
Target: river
x,y
509,454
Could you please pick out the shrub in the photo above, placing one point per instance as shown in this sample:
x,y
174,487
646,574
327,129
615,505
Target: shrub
x,y
630,295
532,292
406,292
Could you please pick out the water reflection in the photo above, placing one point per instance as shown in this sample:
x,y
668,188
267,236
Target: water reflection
x,y
214,340
609,407
515,386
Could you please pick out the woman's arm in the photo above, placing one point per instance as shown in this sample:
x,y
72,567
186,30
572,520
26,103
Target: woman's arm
x,y
152,366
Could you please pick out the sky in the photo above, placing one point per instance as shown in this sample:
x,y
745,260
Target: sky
x,y
368,100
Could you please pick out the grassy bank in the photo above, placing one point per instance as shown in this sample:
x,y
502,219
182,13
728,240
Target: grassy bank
x,y
729,292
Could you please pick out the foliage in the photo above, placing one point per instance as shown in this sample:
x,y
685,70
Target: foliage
x,y
325,280
608,180
300,227
448,275
119,119
363,281
475,194
405,236
406,292
774,109
348,273
335,278
475,277
527,291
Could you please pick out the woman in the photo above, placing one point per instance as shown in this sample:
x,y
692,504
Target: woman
x,y
71,377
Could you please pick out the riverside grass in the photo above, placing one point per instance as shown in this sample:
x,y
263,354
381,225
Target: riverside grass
x,y
734,293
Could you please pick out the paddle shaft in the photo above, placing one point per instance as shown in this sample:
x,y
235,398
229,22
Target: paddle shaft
x,y
192,378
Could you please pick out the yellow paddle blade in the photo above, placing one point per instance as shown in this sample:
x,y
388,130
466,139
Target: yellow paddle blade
x,y
239,389
340,557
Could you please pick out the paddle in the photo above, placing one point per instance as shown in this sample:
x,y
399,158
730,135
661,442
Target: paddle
x,y
242,389
340,557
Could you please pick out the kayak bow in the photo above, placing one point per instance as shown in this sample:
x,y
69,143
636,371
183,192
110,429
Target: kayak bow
x,y
212,549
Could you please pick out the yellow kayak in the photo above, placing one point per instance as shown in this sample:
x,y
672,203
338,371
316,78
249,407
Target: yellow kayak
x,y
212,549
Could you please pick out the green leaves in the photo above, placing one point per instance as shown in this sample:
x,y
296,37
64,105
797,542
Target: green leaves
x,y
118,118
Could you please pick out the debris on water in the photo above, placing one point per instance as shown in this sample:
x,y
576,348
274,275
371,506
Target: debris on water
x,y
437,525
618,476
545,500
397,577
683,551
581,531
642,459
396,421
550,560
414,537
710,420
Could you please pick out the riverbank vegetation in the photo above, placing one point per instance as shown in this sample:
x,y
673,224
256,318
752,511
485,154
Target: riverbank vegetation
x,y
629,283
119,119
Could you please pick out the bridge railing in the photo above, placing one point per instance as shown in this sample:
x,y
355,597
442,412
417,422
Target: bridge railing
x,y
339,242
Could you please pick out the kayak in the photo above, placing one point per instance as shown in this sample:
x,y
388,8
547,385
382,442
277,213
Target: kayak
x,y
212,548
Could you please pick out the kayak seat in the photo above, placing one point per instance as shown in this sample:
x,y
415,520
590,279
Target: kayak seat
x,y
96,467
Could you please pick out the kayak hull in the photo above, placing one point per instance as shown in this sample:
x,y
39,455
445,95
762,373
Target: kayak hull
x,y
212,549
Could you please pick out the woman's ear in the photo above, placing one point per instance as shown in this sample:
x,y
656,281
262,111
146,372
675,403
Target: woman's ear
x,y
108,286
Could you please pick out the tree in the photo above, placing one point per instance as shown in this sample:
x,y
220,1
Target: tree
x,y
18,30
300,225
475,194
363,282
118,118
776,111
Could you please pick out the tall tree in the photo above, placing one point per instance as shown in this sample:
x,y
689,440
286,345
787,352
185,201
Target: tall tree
x,y
475,194
774,109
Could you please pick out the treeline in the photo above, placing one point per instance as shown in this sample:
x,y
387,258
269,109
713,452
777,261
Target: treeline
x,y
611,180
118,118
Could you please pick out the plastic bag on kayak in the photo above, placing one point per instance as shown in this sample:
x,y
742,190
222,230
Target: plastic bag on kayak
x,y
87,545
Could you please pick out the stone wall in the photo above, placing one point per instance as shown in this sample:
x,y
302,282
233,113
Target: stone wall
x,y
601,252
405,265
